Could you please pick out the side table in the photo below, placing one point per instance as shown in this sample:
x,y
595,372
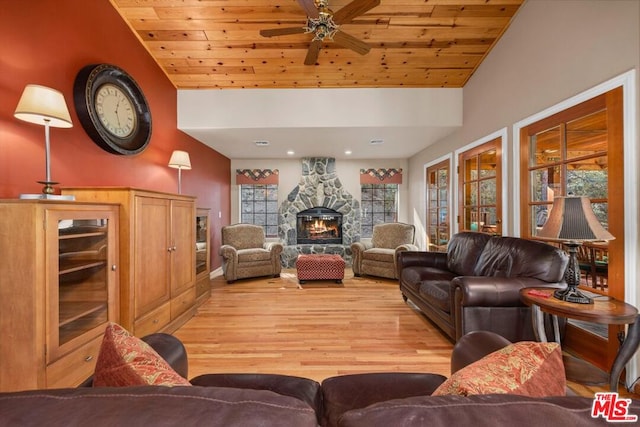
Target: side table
x,y
606,310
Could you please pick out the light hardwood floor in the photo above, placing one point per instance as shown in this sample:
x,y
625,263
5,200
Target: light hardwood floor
x,y
272,325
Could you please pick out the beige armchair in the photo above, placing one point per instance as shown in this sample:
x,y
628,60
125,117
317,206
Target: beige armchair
x,y
378,257
246,254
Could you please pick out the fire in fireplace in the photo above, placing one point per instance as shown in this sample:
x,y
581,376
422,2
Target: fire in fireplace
x,y
319,225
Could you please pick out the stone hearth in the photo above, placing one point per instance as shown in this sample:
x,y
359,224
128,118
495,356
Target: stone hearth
x,y
319,186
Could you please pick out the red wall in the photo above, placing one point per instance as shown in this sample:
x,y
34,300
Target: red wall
x,y
47,42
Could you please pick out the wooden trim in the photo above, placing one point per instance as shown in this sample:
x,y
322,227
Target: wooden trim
x,y
599,351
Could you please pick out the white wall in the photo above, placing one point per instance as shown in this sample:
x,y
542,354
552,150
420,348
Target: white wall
x,y
552,51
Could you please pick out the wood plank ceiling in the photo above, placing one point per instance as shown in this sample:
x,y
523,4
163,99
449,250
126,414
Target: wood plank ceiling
x,y
414,43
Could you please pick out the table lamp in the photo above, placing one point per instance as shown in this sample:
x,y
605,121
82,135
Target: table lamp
x,y
44,106
180,160
572,222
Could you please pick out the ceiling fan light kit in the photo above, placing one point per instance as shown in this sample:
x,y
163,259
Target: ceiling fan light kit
x,y
325,25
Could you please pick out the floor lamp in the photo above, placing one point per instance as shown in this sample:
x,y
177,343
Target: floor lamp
x,y
46,107
572,222
180,160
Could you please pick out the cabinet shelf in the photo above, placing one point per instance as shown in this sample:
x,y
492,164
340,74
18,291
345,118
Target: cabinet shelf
x,y
72,266
71,311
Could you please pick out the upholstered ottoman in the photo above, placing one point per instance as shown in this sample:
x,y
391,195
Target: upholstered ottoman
x,y
320,267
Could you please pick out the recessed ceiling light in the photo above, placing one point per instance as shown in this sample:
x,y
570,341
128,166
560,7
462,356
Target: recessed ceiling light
x,y
348,152
262,143
291,152
376,141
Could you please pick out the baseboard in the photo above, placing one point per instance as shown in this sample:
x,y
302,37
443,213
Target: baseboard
x,y
215,273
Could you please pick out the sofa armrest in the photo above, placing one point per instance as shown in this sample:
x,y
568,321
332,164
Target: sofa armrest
x,y
275,247
482,291
474,346
407,247
228,252
357,248
421,259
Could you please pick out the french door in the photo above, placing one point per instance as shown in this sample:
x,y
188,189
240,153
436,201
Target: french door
x,y
480,188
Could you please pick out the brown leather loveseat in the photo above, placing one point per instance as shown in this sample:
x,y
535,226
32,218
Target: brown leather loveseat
x,y
475,285
243,399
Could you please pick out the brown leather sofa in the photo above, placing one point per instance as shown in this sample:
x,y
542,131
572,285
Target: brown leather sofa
x,y
475,285
375,399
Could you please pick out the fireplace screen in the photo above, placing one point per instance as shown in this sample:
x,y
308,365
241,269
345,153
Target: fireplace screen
x,y
320,226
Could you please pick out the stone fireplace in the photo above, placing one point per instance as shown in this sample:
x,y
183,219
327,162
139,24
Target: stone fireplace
x,y
319,225
319,190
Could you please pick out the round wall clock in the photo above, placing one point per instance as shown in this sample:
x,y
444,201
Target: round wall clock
x,y
112,109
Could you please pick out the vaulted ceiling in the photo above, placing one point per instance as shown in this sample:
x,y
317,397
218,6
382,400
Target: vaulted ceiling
x,y
413,43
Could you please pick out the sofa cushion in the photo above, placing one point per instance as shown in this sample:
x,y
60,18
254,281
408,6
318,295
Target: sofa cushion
x,y
253,255
464,250
243,236
512,257
526,368
125,360
392,235
379,254
437,293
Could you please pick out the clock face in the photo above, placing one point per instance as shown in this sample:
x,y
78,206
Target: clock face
x,y
115,110
112,109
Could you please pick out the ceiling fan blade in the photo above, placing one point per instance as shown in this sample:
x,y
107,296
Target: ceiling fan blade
x,y
313,52
350,42
309,7
353,10
282,31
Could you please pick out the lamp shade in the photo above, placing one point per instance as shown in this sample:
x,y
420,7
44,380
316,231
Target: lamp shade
x,y
180,160
572,219
39,104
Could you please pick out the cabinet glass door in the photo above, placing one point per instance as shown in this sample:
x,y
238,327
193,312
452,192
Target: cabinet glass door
x,y
202,220
79,274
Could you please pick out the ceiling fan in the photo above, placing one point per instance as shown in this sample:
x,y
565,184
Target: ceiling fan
x,y
324,24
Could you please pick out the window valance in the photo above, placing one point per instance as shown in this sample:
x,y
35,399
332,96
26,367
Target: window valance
x,y
381,176
257,176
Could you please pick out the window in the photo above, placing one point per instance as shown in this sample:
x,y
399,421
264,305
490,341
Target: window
x,y
438,207
568,157
480,181
259,206
579,151
379,204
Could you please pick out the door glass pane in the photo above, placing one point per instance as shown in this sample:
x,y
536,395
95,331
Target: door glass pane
x,y
587,135
588,178
545,184
488,163
471,169
488,192
546,147
470,194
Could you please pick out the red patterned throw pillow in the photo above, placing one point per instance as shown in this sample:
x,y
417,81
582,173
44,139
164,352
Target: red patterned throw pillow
x,y
125,360
525,368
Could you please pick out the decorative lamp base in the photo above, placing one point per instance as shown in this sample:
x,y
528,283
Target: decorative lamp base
x,y
48,186
571,294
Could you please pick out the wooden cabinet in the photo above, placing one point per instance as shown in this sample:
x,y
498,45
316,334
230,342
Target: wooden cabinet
x,y
203,256
157,251
59,290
